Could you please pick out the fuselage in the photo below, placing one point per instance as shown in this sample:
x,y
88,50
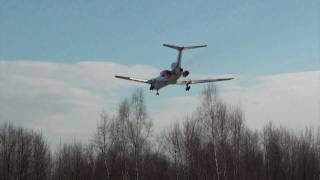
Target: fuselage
x,y
171,76
166,77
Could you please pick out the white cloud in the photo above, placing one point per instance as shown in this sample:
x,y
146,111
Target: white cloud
x,y
61,100
291,100
65,100
174,109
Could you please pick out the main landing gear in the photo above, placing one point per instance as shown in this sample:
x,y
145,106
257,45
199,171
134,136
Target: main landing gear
x,y
187,87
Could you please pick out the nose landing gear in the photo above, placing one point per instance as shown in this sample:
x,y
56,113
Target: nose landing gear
x,y
151,87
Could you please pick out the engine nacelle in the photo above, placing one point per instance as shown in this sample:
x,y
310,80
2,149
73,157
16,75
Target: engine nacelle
x,y
185,73
165,73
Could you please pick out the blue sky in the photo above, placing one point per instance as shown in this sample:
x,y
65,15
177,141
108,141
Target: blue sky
x,y
58,59
244,37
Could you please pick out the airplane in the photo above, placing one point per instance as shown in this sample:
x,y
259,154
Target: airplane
x,y
170,77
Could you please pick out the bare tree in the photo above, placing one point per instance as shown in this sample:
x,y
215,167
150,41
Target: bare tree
x,y
175,148
121,136
139,128
272,151
73,162
210,112
41,159
236,119
192,148
7,148
104,141
23,154
214,143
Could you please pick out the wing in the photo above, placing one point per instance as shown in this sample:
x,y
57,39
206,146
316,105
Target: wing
x,y
133,79
202,81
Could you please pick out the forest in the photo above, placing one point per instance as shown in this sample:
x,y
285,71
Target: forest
x,y
213,143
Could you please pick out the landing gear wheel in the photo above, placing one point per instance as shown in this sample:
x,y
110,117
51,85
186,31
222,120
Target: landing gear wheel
x,y
187,85
157,93
188,88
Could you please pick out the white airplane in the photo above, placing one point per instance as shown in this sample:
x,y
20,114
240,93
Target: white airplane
x,y
169,77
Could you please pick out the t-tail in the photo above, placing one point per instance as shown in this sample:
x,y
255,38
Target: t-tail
x,y
180,49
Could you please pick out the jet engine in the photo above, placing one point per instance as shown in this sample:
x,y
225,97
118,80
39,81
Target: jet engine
x,y
185,73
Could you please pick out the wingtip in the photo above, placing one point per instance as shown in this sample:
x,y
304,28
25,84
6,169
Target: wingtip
x,y
120,77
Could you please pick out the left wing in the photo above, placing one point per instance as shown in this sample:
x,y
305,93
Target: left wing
x,y
133,79
202,81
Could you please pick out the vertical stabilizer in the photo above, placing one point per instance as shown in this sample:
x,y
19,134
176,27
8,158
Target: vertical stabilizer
x,y
180,49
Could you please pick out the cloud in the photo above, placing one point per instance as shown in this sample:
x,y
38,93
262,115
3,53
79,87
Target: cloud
x,y
291,100
174,109
64,101
61,100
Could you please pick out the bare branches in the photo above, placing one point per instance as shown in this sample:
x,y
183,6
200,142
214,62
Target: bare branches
x,y
214,143
24,154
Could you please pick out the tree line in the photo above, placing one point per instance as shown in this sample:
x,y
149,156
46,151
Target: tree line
x,y
212,143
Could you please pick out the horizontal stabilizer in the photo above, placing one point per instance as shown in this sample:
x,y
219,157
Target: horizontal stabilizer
x,y
180,48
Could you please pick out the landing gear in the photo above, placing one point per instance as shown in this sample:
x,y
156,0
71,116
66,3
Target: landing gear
x,y
152,88
188,87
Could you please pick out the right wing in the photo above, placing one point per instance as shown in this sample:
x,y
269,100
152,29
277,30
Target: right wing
x,y
202,81
133,79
